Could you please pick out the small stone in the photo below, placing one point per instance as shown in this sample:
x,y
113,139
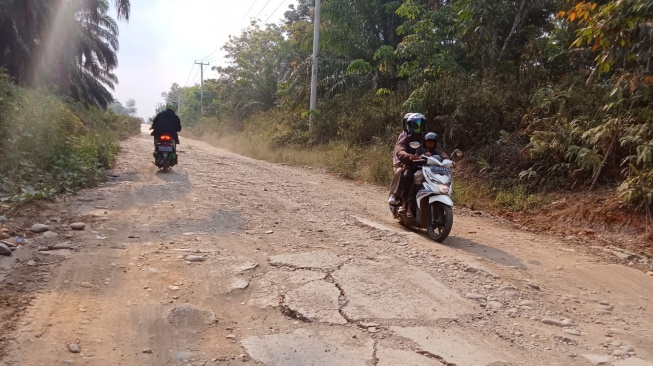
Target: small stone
x,y
86,284
512,294
269,232
195,258
147,350
597,359
650,273
604,303
534,286
61,246
173,288
494,305
527,303
74,348
571,331
372,329
475,296
507,289
231,336
246,267
619,352
556,322
39,228
78,226
238,284
4,250
370,324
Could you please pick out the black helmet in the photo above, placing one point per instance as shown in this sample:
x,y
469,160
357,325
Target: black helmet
x,y
431,136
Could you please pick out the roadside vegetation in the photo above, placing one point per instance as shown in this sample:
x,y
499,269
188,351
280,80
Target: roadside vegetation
x,y
56,133
543,96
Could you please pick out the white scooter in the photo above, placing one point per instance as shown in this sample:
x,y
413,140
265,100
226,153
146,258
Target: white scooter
x,y
434,209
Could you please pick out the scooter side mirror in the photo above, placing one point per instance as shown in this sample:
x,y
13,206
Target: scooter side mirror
x,y
457,153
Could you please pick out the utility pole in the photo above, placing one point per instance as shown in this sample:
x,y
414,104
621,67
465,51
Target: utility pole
x,y
202,86
316,46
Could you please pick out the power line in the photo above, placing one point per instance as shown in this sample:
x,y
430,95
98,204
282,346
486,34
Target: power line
x,y
188,78
264,6
275,10
235,28
244,16
195,77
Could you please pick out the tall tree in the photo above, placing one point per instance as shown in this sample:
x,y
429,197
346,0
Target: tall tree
x,y
71,45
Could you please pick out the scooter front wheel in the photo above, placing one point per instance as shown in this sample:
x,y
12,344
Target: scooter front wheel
x,y
440,222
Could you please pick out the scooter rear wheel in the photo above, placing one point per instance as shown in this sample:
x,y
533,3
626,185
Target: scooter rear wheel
x,y
440,222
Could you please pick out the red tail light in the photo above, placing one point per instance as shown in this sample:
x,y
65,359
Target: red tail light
x,y
165,138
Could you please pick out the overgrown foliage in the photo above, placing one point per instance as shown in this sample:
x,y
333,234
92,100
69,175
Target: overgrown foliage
x,y
543,95
49,146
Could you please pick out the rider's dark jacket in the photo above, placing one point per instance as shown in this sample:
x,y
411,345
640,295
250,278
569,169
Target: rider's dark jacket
x,y
403,151
166,122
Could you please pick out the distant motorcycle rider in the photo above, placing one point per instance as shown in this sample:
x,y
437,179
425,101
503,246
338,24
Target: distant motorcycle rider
x,y
406,150
166,122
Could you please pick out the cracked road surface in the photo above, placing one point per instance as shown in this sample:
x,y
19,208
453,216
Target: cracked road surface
x,y
227,260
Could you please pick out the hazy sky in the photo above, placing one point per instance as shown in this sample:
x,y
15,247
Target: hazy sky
x,y
164,37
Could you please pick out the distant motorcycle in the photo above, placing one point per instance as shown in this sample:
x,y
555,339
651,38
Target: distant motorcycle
x,y
165,153
434,207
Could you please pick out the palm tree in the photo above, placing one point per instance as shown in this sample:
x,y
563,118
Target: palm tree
x,y
21,23
69,44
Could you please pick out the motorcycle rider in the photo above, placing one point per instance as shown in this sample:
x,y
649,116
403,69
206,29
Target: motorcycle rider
x,y
166,122
407,154
397,166
431,148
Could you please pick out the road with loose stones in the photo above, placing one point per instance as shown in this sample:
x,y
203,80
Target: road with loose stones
x,y
227,260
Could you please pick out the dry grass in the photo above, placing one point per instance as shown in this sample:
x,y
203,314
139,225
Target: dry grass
x,y
371,164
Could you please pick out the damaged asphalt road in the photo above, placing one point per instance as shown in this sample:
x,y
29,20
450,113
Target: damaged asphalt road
x,y
227,260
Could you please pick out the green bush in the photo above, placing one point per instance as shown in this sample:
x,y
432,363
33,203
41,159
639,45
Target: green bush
x,y
518,199
49,146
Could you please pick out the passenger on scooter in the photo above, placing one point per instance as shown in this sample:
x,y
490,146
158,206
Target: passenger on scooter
x,y
431,148
397,166
406,149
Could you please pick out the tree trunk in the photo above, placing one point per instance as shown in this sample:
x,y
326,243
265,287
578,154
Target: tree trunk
x,y
518,19
605,160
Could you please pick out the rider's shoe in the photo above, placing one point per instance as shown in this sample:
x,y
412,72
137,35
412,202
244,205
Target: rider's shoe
x,y
409,210
392,201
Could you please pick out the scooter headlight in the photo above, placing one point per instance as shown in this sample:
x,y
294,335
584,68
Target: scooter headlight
x,y
443,188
